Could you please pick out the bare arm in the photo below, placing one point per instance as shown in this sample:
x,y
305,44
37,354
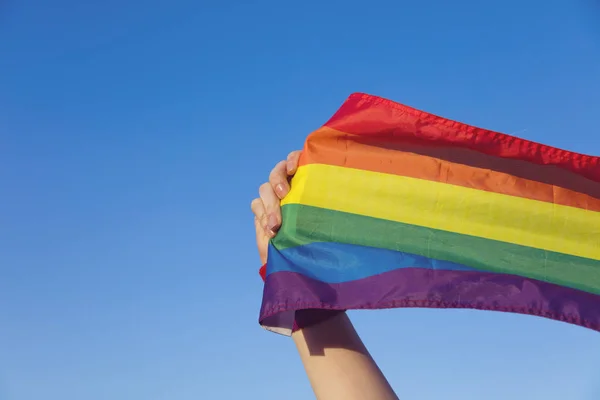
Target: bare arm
x,y
338,364
336,361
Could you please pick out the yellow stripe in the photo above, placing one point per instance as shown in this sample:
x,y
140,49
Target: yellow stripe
x,y
451,208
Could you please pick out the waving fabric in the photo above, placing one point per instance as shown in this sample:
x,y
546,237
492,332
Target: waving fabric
x,y
394,207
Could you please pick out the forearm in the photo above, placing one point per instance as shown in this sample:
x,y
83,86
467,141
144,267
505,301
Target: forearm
x,y
338,364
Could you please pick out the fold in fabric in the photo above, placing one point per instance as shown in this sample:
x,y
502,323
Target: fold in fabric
x,y
394,207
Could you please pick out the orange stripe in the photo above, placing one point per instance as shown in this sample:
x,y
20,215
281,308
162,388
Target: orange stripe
x,y
455,166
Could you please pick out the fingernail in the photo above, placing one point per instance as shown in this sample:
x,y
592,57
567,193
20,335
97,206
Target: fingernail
x,y
272,224
280,189
289,167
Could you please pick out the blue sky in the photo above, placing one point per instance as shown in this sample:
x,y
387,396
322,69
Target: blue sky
x,y
133,136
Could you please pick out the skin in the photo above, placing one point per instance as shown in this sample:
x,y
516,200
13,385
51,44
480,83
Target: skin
x,y
336,361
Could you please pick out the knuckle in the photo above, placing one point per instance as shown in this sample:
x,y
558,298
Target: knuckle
x,y
256,208
273,177
265,187
277,171
293,154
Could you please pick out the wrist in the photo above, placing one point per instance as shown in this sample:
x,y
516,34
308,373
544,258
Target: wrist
x,y
311,317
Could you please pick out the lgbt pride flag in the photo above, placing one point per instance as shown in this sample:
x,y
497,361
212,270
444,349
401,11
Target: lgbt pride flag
x,y
394,207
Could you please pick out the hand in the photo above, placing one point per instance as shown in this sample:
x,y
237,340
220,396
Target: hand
x,y
266,208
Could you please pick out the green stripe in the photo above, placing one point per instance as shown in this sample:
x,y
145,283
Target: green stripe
x,y
305,224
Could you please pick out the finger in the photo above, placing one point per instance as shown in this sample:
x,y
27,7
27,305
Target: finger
x,y
272,208
260,216
262,238
278,179
259,228
292,162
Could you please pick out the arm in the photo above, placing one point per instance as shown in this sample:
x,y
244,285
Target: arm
x,y
336,361
338,364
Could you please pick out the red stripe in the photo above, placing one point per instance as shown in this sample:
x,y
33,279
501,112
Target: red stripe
x,y
263,272
370,115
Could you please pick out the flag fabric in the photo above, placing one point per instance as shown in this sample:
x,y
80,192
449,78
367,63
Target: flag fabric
x,y
395,207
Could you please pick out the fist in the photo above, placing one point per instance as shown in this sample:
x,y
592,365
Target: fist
x,y
267,208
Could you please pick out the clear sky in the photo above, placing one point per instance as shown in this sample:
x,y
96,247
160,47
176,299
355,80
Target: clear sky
x,y
134,134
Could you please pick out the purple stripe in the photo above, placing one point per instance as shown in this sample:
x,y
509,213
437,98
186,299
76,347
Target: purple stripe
x,y
286,292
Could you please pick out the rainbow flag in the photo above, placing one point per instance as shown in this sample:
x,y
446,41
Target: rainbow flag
x,y
394,207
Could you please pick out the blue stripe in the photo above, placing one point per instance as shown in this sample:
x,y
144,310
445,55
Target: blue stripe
x,y
342,262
